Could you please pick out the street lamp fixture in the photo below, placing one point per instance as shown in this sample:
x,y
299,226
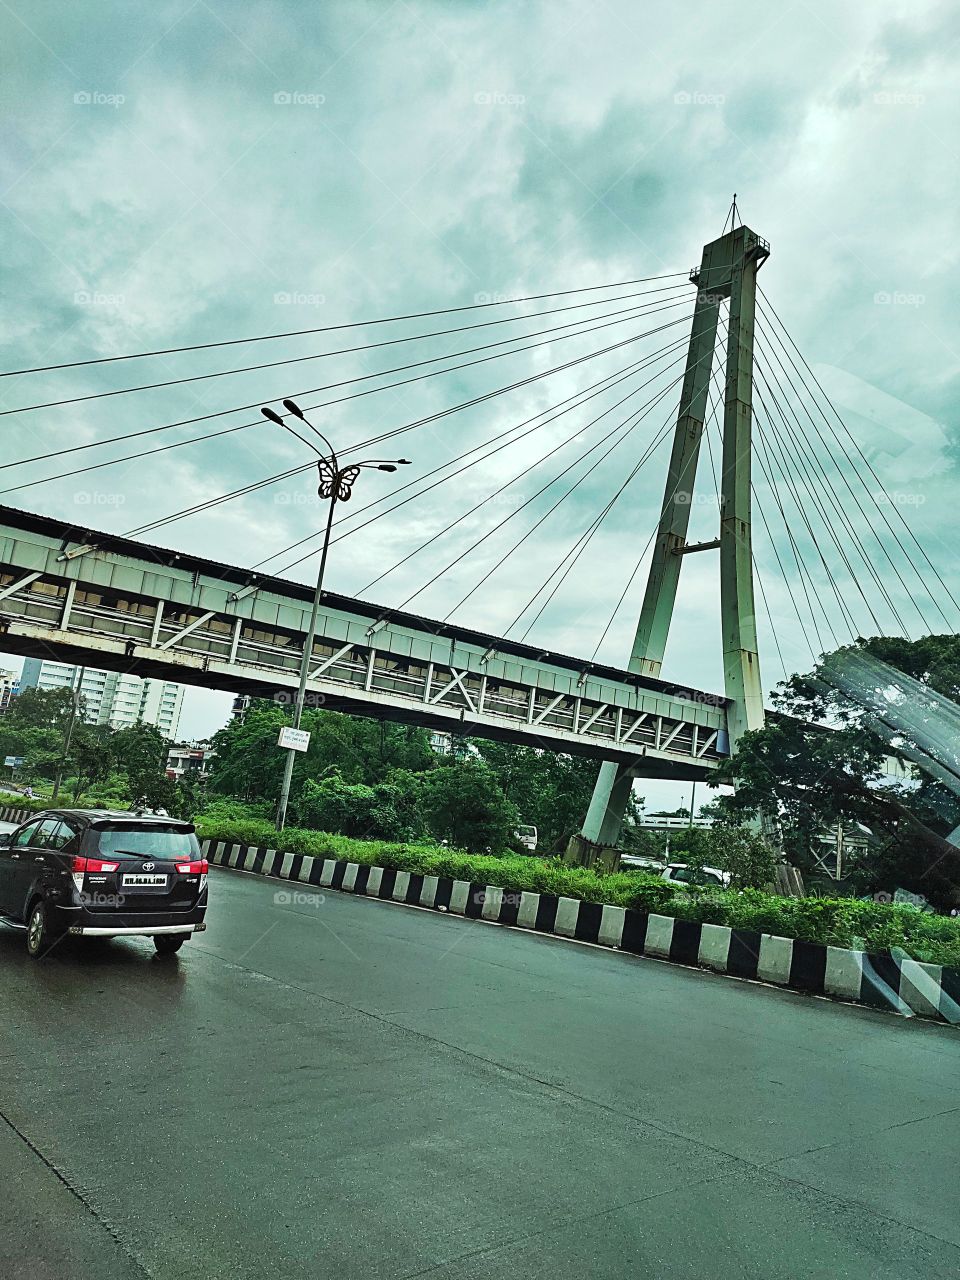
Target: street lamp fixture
x,y
336,484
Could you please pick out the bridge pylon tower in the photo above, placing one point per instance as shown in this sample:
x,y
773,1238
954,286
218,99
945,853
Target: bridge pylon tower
x,y
728,270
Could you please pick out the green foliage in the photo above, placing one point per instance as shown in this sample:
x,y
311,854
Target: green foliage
x,y
550,790
249,763
353,808
42,709
463,803
640,842
92,755
841,922
225,810
807,776
748,857
140,752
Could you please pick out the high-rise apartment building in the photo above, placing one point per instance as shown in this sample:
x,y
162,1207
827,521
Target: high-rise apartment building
x,y
9,688
112,698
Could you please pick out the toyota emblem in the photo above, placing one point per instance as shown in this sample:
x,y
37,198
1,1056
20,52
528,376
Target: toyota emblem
x,y
148,866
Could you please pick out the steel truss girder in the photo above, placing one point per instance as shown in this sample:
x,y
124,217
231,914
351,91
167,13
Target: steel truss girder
x,y
132,614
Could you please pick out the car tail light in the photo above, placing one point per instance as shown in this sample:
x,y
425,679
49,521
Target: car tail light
x,y
79,866
197,868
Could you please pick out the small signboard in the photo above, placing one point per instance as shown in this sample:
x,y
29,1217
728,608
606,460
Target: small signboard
x,y
294,739
14,762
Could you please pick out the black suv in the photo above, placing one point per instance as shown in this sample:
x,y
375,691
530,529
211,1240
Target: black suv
x,y
103,874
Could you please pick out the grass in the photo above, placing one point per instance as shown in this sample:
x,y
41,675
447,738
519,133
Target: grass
x,y
840,922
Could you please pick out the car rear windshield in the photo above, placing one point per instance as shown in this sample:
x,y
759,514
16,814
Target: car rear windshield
x,y
154,841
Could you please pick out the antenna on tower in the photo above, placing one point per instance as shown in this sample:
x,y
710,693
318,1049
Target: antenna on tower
x,y
733,214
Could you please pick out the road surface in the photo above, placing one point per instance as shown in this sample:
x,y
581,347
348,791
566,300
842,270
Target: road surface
x,y
349,1088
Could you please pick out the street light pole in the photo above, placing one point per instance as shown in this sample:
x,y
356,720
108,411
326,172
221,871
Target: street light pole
x,y
336,483
305,668
68,736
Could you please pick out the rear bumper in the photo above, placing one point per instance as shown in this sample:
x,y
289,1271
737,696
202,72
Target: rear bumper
x,y
124,931
119,924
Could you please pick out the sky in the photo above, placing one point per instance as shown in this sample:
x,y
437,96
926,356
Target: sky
x,y
185,173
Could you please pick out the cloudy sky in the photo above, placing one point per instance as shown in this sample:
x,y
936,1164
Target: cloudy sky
x,y
192,172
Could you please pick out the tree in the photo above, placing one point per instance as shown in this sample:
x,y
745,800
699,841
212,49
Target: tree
x,y
817,762
35,726
140,752
551,790
42,709
92,756
250,764
750,858
463,803
353,809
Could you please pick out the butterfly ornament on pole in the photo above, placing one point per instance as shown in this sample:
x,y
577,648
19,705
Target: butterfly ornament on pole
x,y
334,483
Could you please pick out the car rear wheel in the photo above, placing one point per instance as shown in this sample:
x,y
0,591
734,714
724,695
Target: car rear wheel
x,y
38,931
168,943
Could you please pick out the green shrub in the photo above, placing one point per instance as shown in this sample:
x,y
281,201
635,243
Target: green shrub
x,y
352,808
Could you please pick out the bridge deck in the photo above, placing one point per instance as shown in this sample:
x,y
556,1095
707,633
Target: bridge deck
x,y
78,595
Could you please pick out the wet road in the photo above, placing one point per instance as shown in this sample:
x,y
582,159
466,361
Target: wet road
x,y
348,1088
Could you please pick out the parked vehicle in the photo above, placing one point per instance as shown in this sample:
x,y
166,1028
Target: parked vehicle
x,y
700,877
527,835
99,873
639,862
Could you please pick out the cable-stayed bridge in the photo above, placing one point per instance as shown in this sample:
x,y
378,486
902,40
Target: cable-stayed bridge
x,y
704,348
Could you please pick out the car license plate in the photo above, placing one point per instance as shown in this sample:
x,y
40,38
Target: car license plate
x,y
140,880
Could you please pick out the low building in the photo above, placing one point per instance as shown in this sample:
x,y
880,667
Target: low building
x,y
189,758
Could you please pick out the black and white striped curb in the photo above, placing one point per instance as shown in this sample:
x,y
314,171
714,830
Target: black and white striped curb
x,y
884,980
10,813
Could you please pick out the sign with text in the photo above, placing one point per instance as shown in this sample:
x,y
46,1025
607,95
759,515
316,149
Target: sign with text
x,y
14,762
294,739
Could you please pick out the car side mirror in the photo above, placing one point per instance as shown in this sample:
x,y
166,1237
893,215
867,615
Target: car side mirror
x,y
5,839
